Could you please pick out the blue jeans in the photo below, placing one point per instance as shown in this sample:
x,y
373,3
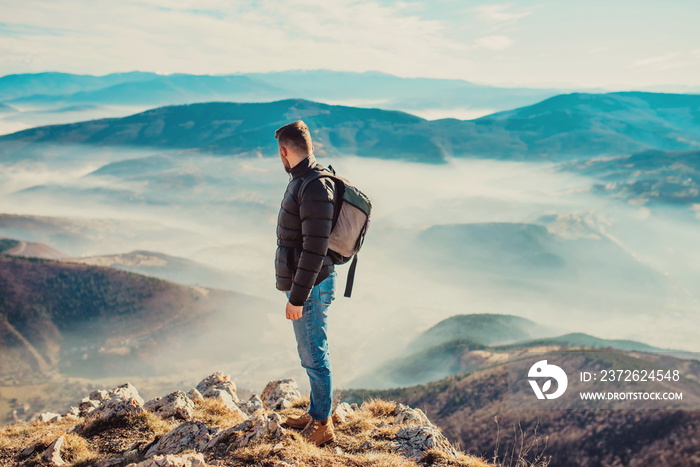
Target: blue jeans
x,y
312,344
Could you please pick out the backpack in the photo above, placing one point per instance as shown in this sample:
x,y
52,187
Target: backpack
x,y
351,217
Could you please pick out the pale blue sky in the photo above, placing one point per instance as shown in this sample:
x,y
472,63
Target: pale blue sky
x,y
619,44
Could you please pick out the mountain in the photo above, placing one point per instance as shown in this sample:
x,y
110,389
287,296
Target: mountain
x,y
607,124
84,236
560,128
54,84
368,88
12,247
483,328
167,267
471,342
83,319
164,90
647,177
478,410
579,339
6,109
407,94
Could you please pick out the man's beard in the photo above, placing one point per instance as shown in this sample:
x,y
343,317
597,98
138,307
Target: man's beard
x,y
285,163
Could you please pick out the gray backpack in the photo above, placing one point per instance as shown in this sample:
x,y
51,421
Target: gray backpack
x,y
351,217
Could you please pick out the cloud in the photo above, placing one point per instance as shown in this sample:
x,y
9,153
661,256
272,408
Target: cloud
x,y
229,36
496,42
663,62
500,13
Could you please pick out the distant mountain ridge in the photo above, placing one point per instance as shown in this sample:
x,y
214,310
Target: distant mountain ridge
x,y
54,83
560,128
472,342
84,319
150,89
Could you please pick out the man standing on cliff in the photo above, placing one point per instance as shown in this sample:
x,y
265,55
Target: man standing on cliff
x,y
306,273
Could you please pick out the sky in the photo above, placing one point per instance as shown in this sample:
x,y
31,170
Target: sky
x,y
613,43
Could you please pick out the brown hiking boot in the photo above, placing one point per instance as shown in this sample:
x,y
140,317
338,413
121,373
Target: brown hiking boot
x,y
319,432
298,422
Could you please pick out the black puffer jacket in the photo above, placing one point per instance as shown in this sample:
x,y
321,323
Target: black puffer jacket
x,y
303,228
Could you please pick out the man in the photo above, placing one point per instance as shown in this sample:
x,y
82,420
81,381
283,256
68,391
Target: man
x,y
306,273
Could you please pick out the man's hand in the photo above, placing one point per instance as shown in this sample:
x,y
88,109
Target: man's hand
x,y
293,312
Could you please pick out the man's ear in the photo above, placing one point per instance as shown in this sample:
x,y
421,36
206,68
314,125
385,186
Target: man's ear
x,y
284,152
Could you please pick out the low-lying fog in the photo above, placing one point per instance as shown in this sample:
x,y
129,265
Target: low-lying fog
x,y
583,264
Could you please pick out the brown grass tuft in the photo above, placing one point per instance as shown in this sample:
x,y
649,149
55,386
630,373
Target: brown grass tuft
x,y
77,452
213,412
379,407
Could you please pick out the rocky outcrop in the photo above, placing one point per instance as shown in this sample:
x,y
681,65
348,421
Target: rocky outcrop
x,y
413,441
216,384
52,454
252,405
341,412
418,435
49,417
188,435
203,433
169,460
176,404
280,394
118,402
255,428
405,414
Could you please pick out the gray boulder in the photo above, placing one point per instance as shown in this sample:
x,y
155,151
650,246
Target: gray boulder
x,y
175,404
188,435
280,394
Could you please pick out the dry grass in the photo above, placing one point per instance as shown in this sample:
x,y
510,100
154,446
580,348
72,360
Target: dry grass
x,y
17,436
77,452
379,407
214,412
363,440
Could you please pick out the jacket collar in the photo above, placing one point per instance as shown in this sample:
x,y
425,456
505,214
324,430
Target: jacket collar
x,y
303,166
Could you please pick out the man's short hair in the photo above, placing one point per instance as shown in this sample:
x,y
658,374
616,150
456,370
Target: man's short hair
x,y
295,134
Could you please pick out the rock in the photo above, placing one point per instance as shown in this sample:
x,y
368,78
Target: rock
x,y
226,399
98,395
413,441
87,405
28,451
341,412
73,410
195,395
257,427
188,435
280,394
120,402
49,417
218,382
170,460
175,404
111,462
405,414
52,453
277,447
252,429
252,405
